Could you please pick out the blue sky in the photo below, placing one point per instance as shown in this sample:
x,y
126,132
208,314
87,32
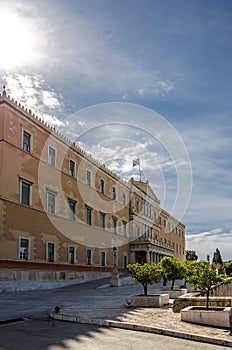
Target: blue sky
x,y
170,60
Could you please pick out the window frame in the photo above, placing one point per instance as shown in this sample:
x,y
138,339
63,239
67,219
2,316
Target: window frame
x,y
102,223
50,162
74,255
71,213
88,177
47,251
88,218
71,172
114,193
114,225
102,186
54,194
28,249
124,228
89,262
25,147
28,183
125,259
124,198
137,205
103,256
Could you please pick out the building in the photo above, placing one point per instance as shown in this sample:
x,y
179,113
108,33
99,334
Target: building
x,y
62,212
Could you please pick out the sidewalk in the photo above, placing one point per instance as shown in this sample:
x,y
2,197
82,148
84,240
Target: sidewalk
x,y
104,306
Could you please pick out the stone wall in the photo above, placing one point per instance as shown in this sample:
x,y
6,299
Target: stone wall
x,y
18,280
222,290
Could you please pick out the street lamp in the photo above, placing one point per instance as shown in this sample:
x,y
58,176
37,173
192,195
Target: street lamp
x,y
115,281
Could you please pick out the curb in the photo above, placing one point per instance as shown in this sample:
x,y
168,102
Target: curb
x,y
142,328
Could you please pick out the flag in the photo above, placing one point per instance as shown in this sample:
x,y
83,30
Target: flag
x,y
136,162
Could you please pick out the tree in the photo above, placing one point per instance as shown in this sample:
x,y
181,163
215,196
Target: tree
x,y
228,267
145,274
217,259
203,276
188,268
171,269
191,255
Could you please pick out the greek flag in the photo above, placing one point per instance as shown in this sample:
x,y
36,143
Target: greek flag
x,y
136,162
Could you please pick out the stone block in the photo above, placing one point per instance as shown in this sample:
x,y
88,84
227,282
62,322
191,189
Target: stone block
x,y
218,317
151,300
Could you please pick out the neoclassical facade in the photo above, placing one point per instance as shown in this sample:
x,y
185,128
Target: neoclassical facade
x,y
61,210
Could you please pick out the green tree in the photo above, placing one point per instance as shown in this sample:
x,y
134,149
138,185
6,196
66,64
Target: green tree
x,y
217,259
191,255
145,274
188,269
228,267
202,276
171,269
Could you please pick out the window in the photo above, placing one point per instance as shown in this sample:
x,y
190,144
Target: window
x,y
114,225
103,258
155,215
25,192
102,186
114,196
137,205
71,255
50,252
124,198
26,141
88,177
24,249
71,209
72,168
51,202
124,229
125,261
164,222
138,231
88,257
103,221
146,209
51,156
88,216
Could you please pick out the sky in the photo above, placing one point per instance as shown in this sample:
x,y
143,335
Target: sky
x,y
132,79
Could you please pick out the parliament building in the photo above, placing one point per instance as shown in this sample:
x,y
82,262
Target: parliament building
x,y
63,213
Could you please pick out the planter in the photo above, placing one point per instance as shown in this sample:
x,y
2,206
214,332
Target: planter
x,y
151,300
215,316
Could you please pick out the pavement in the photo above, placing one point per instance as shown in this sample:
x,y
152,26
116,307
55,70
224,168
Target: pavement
x,y
98,303
107,306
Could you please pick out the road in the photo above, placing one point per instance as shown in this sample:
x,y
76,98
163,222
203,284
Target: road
x,y
46,334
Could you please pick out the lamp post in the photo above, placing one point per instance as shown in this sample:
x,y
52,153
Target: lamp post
x,y
115,281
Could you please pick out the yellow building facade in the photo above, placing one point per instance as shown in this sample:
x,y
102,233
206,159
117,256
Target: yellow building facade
x,y
61,210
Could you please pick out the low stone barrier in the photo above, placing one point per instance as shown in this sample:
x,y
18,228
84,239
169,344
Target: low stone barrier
x,y
194,299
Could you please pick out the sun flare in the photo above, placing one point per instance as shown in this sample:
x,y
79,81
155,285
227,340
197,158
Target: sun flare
x,y
17,40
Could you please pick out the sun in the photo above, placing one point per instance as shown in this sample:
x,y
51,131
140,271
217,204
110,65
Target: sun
x,y
17,40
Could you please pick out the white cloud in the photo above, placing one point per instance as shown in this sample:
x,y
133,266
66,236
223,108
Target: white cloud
x,y
205,243
35,94
76,47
